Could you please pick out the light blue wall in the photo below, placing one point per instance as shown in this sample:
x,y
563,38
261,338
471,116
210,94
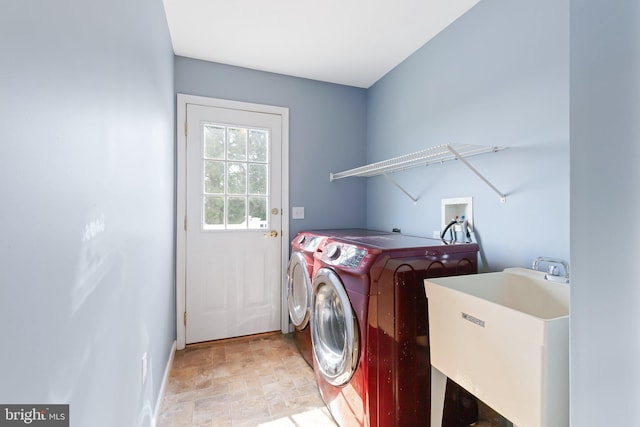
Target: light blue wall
x,y
87,217
326,133
88,165
605,183
497,76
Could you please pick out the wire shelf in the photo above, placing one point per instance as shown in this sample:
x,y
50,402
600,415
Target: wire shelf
x,y
426,157
436,154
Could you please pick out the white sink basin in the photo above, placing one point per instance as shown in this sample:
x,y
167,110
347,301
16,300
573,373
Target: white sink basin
x,y
505,338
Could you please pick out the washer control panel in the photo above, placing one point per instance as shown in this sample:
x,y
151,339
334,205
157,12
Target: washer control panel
x,y
353,256
312,243
344,255
307,242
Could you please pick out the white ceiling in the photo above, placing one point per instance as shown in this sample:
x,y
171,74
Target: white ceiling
x,y
350,42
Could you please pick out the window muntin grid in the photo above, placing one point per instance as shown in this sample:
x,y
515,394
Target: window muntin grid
x,y
235,179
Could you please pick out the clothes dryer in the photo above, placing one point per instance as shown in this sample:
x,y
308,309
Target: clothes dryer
x,y
299,274
369,325
300,271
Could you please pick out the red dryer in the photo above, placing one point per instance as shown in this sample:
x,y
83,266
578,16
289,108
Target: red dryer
x,y
300,272
369,325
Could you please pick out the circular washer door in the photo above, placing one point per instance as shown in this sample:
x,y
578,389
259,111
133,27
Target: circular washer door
x,y
298,290
334,329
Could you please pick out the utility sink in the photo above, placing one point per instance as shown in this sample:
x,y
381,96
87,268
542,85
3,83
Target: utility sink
x,y
505,338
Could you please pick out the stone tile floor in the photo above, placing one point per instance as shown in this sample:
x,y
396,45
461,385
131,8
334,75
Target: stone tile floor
x,y
254,381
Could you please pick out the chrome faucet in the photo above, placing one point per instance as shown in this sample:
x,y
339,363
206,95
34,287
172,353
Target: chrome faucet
x,y
552,269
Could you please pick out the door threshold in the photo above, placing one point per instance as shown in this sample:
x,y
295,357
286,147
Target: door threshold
x,y
235,339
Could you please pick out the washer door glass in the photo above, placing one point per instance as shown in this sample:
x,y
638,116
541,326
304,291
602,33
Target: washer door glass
x,y
298,290
334,329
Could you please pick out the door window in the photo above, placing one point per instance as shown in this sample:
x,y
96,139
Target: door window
x,y
235,177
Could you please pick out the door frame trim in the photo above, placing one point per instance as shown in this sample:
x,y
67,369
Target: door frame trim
x,y
181,150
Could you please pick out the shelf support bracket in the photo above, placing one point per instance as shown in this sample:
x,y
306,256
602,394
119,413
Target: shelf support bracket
x,y
503,197
393,181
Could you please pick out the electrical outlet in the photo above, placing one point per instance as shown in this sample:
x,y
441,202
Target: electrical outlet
x,y
144,368
436,234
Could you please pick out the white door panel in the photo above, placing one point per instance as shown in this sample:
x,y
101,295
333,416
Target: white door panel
x,y
233,204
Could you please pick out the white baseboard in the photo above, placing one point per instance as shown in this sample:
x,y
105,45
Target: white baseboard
x,y
165,379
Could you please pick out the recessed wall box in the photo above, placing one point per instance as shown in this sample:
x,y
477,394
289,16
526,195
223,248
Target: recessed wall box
x,y
457,207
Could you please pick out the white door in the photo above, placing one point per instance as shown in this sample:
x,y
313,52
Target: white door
x,y
233,223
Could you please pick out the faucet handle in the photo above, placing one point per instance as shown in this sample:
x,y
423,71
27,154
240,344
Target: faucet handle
x,y
553,268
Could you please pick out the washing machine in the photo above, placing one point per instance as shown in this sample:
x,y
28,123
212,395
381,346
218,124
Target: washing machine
x,y
300,271
369,325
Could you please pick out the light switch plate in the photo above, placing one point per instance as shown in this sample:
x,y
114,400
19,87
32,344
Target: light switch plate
x,y
297,212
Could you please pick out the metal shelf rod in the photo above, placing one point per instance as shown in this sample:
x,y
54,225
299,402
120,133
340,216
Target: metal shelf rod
x,y
503,197
393,181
